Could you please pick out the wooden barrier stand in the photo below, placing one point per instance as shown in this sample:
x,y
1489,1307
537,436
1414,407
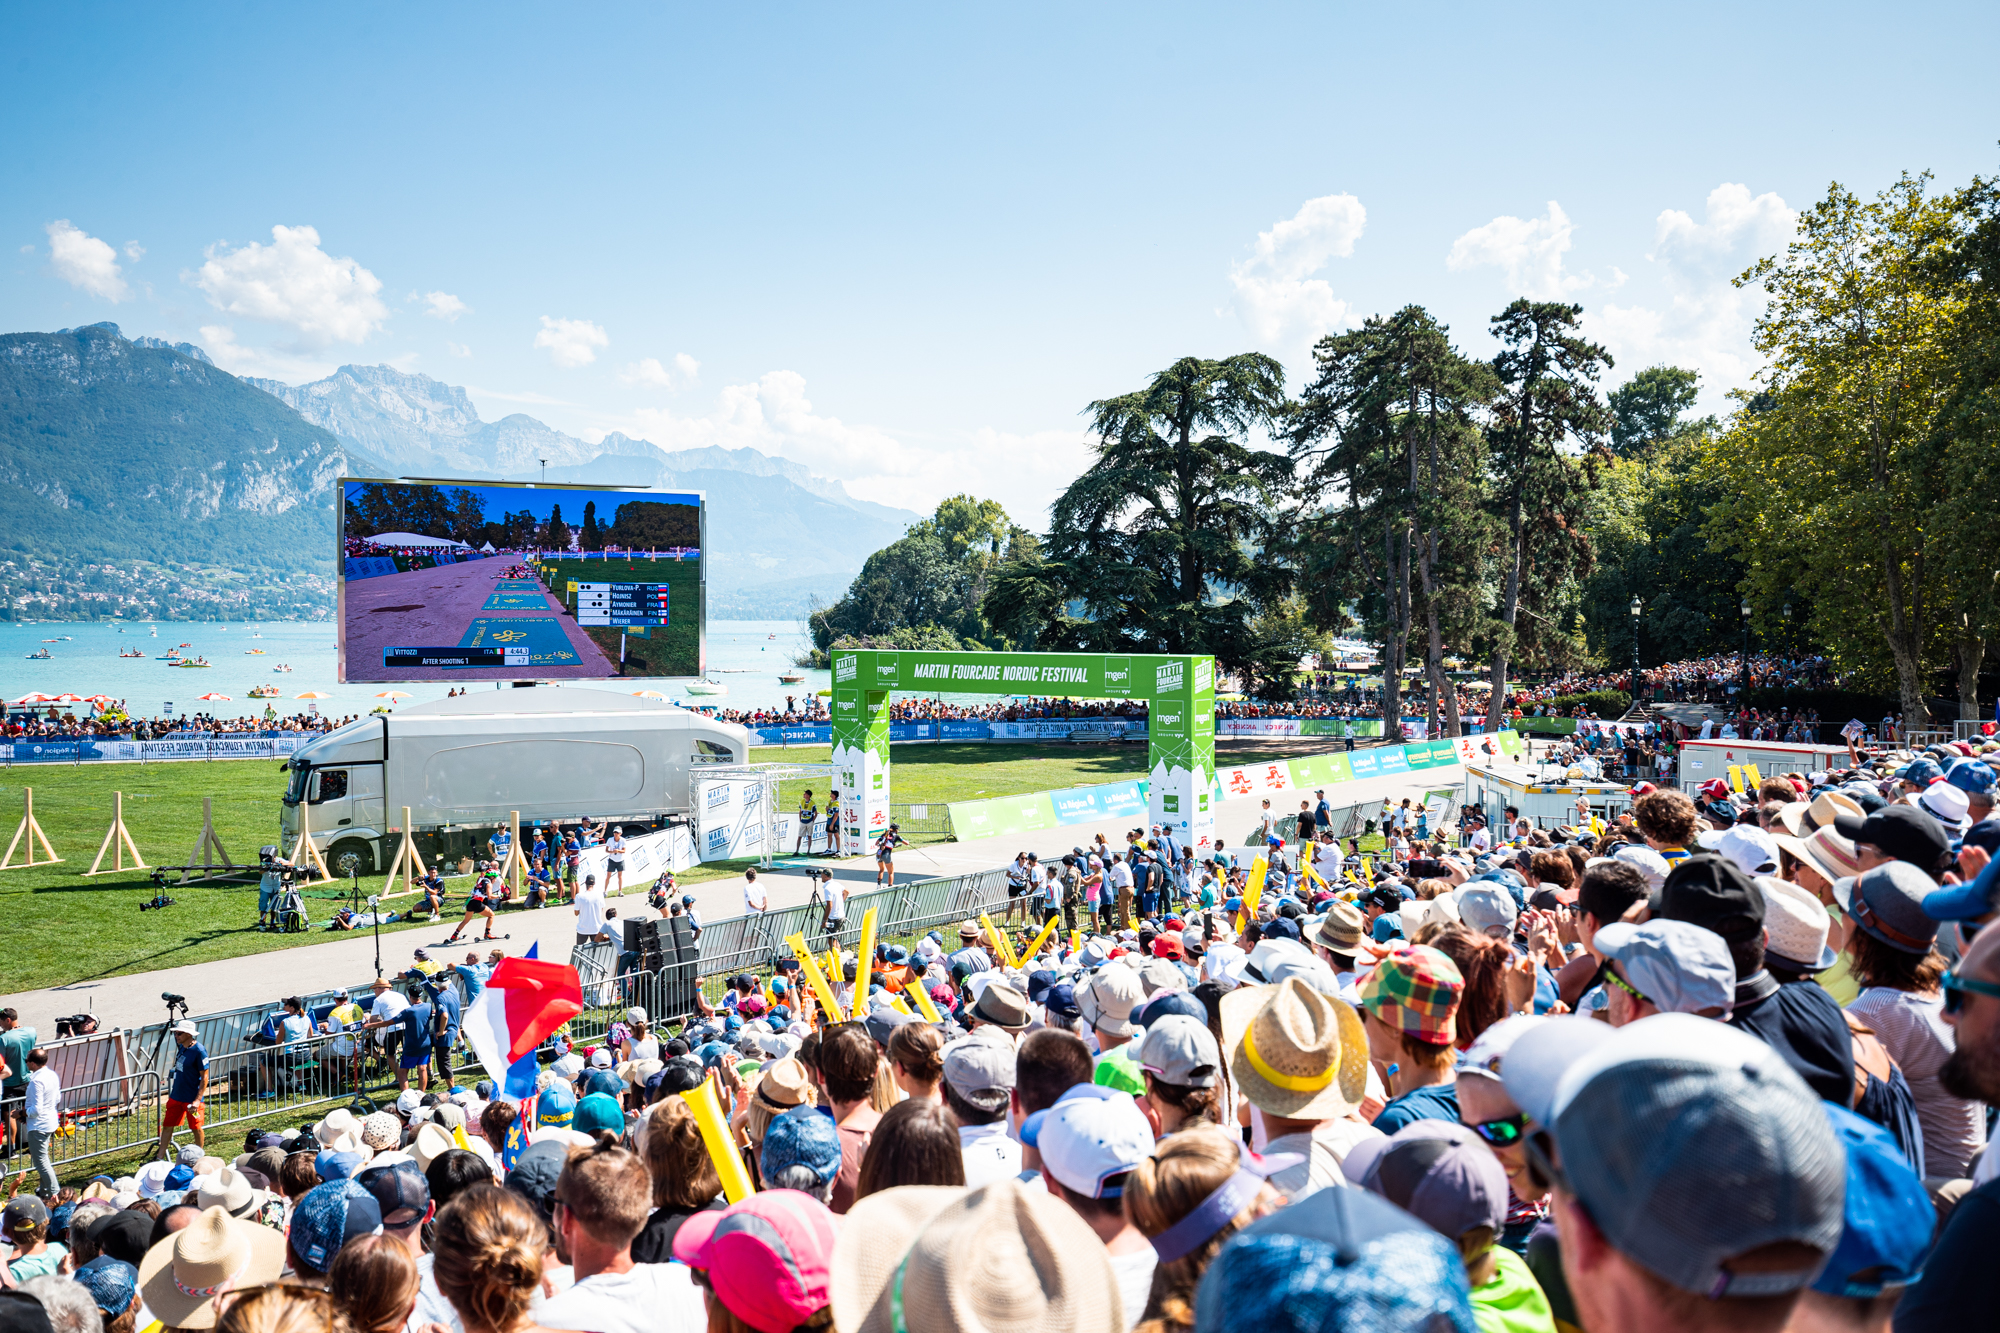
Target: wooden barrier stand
x,y
33,832
117,841
407,861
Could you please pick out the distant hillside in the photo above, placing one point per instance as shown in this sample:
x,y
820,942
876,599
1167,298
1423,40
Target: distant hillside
x,y
117,452
778,536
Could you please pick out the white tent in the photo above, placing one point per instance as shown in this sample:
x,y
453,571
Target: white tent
x,y
488,548
415,539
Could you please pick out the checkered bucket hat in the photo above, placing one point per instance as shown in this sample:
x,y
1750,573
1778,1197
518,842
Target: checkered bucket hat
x,y
1415,990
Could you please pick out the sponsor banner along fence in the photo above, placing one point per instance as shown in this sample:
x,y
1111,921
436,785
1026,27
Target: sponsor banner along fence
x,y
274,745
1036,811
375,566
1080,729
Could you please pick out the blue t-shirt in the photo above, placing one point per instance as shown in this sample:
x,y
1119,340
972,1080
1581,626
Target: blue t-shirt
x,y
185,1085
443,998
474,976
1435,1101
1388,926
416,1031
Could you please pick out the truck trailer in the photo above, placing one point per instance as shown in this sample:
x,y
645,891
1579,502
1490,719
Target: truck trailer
x,y
1704,761
465,765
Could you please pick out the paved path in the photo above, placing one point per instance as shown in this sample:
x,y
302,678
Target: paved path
x,y
134,1000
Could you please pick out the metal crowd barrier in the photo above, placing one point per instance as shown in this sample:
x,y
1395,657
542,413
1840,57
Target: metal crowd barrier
x,y
302,1080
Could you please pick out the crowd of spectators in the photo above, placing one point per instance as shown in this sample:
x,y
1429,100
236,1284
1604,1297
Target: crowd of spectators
x,y
1698,680
55,724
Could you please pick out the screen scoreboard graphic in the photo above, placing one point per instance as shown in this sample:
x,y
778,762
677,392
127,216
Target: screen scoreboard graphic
x,y
623,605
513,581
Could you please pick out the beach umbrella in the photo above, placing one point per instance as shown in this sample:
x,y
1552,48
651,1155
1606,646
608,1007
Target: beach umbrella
x,y
216,698
312,694
36,698
394,694
649,694
99,699
67,698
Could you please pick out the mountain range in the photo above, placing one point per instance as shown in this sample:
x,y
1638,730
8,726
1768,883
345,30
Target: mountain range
x,y
117,450
777,535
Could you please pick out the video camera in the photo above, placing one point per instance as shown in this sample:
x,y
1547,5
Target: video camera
x,y
159,900
268,861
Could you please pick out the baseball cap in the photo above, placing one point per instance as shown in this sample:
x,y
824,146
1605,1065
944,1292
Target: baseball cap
x,y
1180,1050
329,1215
1681,968
1487,909
601,1058
556,1106
802,1137
1646,861
1339,1259
598,1111
1675,1115
1438,1171
1971,775
1901,831
1887,1219
1488,1051
1090,1138
331,1165
1888,903
401,1192
112,1283
23,1214
980,1069
1750,848
1713,893
769,1259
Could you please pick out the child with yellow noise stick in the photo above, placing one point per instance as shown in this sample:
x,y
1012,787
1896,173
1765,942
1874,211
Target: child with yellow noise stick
x,y
1253,890
1040,941
814,977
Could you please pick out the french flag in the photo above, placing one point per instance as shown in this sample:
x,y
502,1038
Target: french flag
x,y
525,1000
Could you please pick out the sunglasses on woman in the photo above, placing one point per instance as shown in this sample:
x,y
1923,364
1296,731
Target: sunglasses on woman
x,y
1504,1133
1956,988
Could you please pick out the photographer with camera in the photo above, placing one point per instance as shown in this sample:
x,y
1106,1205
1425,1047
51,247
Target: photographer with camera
x,y
276,875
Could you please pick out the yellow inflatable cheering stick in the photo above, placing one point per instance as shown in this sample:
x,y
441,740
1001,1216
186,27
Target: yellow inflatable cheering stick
x,y
706,1103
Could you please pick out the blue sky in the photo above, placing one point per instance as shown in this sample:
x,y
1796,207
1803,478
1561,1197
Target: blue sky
x,y
906,246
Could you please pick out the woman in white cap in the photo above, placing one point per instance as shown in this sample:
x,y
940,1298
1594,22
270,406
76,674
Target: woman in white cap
x,y
639,1043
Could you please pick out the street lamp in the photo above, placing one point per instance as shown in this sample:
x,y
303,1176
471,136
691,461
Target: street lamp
x,y
1635,651
1746,653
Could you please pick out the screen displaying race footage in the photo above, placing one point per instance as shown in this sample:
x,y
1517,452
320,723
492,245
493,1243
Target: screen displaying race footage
x,y
440,581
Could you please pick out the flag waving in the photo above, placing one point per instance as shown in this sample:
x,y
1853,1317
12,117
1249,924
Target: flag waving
x,y
525,1000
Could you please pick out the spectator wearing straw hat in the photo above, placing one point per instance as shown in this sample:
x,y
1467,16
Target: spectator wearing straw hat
x,y
186,1281
1300,1058
942,1259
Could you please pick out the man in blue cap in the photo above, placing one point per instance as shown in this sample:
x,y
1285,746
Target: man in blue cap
x,y
801,1151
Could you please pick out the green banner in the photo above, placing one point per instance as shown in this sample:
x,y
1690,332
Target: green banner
x,y
1339,726
1002,816
1547,726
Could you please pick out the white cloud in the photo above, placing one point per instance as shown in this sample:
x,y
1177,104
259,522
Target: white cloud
x,y
1277,298
1528,250
219,341
444,306
134,251
1704,323
295,283
685,371
774,415
571,342
83,261
457,349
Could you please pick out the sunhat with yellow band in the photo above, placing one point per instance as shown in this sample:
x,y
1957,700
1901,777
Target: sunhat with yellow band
x,y
1294,1052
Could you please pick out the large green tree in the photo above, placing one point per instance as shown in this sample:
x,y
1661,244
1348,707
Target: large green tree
x,y
935,576
1160,537
1392,465
1652,407
1546,418
1841,478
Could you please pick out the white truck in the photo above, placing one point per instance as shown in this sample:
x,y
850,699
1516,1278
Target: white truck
x,y
1545,795
463,765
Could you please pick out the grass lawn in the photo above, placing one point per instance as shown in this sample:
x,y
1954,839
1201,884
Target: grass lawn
x,y
673,651
57,926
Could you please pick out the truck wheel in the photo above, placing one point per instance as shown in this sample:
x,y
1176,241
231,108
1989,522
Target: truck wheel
x,y
364,854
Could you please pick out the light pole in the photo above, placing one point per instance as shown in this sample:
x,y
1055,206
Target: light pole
x,y
1787,678
1746,653
1635,651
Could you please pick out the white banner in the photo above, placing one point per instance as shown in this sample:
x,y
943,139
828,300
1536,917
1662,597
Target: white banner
x,y
730,819
646,855
1057,729
270,747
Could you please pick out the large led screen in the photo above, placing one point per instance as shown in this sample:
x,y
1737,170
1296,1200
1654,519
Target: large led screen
x,y
440,581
